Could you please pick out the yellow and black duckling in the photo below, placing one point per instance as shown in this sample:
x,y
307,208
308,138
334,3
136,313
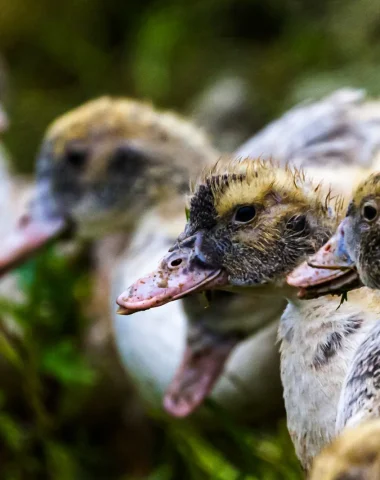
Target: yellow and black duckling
x,y
250,223
354,455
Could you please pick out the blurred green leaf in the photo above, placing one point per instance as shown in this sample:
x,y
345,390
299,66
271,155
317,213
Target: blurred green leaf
x,y
63,362
9,352
163,472
61,462
11,432
205,456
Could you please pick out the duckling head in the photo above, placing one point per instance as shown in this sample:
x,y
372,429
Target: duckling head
x,y
354,455
101,165
351,257
250,223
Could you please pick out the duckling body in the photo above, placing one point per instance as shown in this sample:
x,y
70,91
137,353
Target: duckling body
x,y
318,346
360,399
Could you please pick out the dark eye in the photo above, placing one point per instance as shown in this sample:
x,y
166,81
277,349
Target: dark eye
x,y
245,214
297,224
126,159
369,212
76,156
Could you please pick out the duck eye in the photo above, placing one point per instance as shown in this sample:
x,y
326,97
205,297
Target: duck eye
x,y
76,156
297,224
369,212
245,214
127,160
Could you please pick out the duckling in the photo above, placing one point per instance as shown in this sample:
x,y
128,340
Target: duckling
x,y
354,455
250,223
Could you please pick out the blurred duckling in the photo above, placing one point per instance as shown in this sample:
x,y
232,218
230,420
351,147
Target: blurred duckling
x,y
354,455
336,139
120,166
250,223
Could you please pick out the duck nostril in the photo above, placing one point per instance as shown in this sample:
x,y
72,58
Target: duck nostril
x,y
176,262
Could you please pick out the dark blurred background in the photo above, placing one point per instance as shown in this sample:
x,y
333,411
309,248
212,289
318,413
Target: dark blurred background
x,y
253,58
59,54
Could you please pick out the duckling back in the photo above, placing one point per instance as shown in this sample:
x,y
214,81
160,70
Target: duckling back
x,y
336,139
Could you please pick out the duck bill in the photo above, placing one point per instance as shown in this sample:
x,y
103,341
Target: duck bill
x,y
181,272
28,237
330,270
200,368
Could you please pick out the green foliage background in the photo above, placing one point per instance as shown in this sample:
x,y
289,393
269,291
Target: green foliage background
x,y
59,54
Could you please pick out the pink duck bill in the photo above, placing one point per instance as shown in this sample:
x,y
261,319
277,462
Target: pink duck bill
x,y
29,236
181,272
329,271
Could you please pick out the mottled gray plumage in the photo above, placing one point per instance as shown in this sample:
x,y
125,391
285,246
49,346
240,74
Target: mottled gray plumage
x,y
360,398
340,129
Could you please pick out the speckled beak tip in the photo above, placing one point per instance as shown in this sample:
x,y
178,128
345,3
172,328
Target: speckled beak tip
x,y
166,284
